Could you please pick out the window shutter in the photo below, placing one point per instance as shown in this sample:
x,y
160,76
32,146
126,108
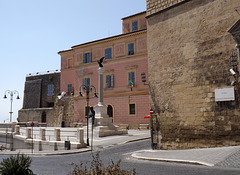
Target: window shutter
x,y
88,82
84,83
89,57
133,77
111,81
106,53
84,58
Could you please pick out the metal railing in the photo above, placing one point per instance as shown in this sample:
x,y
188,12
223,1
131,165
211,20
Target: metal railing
x,y
43,73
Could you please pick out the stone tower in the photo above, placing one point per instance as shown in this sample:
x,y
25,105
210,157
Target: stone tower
x,y
190,52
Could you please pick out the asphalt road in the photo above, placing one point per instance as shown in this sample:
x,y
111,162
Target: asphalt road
x,y
61,164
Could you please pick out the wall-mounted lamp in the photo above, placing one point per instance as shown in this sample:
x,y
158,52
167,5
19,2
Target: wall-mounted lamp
x,y
143,77
232,71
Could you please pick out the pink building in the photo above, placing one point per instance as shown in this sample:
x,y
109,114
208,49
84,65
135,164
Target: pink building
x,y
125,55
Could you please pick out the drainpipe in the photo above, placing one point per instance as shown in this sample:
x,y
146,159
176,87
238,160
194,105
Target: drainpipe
x,y
238,50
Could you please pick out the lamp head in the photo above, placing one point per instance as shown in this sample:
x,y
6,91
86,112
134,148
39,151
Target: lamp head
x,y
80,94
18,97
233,83
232,72
95,95
5,96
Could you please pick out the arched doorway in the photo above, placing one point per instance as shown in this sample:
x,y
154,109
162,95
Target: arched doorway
x,y
44,117
110,111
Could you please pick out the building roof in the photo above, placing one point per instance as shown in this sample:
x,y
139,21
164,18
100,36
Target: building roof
x,y
116,36
134,15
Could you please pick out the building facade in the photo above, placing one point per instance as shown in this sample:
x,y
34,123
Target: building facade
x,y
191,49
40,93
125,55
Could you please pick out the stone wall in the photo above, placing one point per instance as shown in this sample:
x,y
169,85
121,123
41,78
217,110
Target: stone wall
x,y
36,90
64,111
60,115
189,51
36,114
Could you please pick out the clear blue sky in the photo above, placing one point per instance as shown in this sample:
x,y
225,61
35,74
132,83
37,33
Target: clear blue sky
x,y
33,31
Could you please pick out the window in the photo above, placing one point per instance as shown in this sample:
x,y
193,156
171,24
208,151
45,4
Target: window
x,y
131,49
135,26
108,53
109,81
50,89
131,79
70,63
132,109
70,90
87,58
86,82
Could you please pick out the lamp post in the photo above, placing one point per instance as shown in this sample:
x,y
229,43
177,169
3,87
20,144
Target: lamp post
x,y
87,89
11,93
143,77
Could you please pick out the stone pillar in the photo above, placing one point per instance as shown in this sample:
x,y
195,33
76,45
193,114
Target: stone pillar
x,y
100,85
42,134
38,146
80,135
17,130
28,133
57,134
101,116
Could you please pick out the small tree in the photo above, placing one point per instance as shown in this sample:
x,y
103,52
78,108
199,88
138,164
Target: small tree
x,y
97,168
16,165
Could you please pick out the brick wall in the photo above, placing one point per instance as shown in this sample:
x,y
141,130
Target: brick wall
x,y
189,51
154,6
120,106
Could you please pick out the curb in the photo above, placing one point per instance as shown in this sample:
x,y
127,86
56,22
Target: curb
x,y
193,162
45,153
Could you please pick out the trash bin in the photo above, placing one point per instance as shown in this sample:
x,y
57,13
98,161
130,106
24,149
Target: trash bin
x,y
67,145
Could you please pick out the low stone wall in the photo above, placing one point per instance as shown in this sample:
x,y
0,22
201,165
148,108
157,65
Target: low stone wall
x,y
25,140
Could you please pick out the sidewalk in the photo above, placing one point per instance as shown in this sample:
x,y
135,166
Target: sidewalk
x,y
98,143
221,156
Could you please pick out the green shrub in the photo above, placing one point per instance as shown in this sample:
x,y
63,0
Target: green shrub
x,y
16,165
97,168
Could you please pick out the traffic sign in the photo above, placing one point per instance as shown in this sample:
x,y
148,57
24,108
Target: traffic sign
x,y
151,111
32,124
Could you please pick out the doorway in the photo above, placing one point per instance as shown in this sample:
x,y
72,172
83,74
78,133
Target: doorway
x,y
44,117
110,111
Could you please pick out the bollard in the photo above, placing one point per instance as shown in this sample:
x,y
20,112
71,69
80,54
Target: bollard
x,y
57,134
80,135
42,134
28,133
17,130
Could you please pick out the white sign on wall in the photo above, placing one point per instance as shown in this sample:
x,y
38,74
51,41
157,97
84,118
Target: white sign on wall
x,y
226,94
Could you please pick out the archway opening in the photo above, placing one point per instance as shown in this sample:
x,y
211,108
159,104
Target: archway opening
x,y
110,111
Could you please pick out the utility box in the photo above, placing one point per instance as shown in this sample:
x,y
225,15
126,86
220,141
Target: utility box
x,y
67,145
226,94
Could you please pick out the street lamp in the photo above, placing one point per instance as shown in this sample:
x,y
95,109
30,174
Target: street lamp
x,y
87,88
11,100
